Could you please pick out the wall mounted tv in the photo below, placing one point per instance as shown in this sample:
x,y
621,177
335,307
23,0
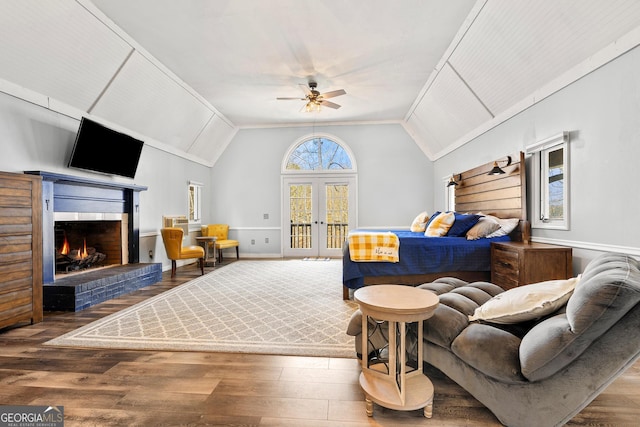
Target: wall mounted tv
x,y
100,149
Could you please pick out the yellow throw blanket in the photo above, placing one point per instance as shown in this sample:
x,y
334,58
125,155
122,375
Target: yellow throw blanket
x,y
374,246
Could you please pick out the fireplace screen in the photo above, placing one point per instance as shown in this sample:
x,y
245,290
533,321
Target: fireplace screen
x,y
81,245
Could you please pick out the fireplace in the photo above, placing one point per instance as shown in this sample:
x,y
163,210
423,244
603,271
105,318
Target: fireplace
x,y
106,215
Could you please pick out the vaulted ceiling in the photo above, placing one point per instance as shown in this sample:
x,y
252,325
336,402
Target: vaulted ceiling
x,y
187,74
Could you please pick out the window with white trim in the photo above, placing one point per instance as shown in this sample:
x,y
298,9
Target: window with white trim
x,y
319,154
195,202
551,182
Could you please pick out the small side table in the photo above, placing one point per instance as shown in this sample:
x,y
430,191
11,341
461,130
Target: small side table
x,y
392,383
208,242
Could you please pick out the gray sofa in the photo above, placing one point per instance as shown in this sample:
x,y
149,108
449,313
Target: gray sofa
x,y
539,372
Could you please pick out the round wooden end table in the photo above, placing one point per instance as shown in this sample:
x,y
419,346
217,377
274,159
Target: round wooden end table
x,y
389,381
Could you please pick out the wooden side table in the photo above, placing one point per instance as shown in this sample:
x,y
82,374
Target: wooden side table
x,y
515,264
208,242
392,383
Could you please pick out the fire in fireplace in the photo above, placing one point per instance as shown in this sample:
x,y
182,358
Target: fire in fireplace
x,y
68,259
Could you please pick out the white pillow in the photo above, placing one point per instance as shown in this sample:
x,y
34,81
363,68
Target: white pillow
x,y
419,224
526,302
507,225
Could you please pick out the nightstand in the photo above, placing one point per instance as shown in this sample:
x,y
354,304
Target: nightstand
x,y
515,264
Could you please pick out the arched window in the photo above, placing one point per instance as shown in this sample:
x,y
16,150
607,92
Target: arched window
x,y
318,154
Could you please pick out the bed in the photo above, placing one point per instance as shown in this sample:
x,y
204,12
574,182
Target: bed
x,y
423,259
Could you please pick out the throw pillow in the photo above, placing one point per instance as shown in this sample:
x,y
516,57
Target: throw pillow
x,y
419,224
507,225
440,225
526,302
482,229
462,224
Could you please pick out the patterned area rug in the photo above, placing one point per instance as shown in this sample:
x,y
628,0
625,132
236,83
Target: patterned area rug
x,y
272,307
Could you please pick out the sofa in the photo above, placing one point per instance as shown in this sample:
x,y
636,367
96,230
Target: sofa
x,y
538,354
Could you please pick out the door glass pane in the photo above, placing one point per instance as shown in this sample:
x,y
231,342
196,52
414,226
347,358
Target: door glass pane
x,y
300,200
555,183
337,220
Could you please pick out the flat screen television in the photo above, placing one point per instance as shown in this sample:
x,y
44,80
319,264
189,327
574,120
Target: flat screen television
x,y
100,149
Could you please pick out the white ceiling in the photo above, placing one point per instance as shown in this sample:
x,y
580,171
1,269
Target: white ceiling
x,y
189,73
240,55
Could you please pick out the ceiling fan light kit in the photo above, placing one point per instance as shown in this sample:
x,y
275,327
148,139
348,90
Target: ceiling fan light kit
x,y
315,100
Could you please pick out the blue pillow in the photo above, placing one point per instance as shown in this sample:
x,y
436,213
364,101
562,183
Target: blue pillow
x,y
462,224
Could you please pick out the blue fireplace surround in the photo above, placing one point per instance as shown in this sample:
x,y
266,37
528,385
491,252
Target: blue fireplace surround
x,y
64,193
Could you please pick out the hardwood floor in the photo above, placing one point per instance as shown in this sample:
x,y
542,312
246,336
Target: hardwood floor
x,y
156,388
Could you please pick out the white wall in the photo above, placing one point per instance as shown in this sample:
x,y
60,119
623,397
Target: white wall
x,y
394,180
601,111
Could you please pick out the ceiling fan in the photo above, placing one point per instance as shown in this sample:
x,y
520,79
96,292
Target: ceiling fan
x,y
316,99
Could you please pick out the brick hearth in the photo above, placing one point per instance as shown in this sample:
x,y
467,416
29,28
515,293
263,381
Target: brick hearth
x,y
79,291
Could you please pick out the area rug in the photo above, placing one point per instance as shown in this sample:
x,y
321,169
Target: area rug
x,y
286,307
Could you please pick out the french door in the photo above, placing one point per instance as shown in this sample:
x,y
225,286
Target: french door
x,y
318,212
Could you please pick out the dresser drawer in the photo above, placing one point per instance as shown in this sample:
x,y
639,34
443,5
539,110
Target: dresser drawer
x,y
506,262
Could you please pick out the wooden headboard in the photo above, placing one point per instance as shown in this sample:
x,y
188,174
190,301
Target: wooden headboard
x,y
504,196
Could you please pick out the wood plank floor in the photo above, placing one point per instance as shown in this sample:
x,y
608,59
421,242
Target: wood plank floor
x,y
155,388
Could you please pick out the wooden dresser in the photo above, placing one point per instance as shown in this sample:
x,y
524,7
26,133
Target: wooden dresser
x,y
515,264
20,248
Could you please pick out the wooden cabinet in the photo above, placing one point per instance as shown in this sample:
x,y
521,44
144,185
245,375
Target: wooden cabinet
x,y
515,264
20,249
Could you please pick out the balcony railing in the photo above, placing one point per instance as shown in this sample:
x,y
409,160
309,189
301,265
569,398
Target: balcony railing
x,y
301,235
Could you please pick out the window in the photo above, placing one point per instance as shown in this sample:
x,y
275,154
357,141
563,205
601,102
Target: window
x,y
318,154
551,182
449,195
195,201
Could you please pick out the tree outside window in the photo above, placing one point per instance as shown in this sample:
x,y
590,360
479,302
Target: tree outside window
x,y
319,154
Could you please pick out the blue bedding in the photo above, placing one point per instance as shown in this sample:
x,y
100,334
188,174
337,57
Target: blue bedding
x,y
422,255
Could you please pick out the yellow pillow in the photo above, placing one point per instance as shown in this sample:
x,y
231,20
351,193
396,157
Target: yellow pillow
x,y
420,222
440,225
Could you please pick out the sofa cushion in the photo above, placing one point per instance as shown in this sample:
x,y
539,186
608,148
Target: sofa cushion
x,y
445,325
608,289
458,299
490,350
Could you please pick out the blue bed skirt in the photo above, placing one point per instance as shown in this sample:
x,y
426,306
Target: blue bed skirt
x,y
423,255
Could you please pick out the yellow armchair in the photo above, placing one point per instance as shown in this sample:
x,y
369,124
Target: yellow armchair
x,y
221,232
172,238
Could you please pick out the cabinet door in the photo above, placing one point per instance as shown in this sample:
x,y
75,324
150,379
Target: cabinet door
x,y
20,249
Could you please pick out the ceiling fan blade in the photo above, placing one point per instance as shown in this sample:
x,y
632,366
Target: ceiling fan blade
x,y
333,93
290,99
305,89
329,104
